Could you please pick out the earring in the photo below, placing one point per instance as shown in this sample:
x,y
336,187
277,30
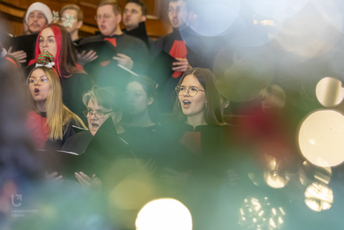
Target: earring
x,y
178,103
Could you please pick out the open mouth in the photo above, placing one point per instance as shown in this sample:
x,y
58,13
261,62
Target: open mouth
x,y
95,125
186,103
36,90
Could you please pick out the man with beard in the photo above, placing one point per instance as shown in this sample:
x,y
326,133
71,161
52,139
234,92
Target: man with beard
x,y
37,16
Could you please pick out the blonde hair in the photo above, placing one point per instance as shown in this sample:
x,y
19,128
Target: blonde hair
x,y
115,6
58,115
80,15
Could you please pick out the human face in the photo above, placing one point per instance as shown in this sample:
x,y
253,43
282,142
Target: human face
x,y
192,105
36,21
39,85
94,122
137,99
132,15
174,13
108,22
75,25
47,41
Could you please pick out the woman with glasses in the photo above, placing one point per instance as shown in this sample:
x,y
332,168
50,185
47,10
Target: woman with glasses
x,y
198,99
102,103
198,132
203,137
50,120
74,81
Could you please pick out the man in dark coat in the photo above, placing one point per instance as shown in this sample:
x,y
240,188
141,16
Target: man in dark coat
x,y
134,18
131,53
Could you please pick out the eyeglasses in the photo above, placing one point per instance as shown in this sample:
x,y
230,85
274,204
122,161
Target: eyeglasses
x,y
98,113
192,91
33,81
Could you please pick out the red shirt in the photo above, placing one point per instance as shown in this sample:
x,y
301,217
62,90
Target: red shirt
x,y
39,129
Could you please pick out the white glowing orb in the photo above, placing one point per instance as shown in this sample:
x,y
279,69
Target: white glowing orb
x,y
325,128
164,214
329,92
307,34
332,11
211,18
276,9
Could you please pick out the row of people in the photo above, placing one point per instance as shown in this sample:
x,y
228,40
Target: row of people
x,y
130,48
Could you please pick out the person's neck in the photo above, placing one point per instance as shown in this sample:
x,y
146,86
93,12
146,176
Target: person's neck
x,y
180,27
118,31
141,120
131,28
41,106
74,36
196,120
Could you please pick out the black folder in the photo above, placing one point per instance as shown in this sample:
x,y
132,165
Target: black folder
x,y
104,49
27,43
160,70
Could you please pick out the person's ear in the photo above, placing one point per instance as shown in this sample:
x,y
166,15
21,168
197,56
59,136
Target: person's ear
x,y
119,18
144,18
150,100
80,23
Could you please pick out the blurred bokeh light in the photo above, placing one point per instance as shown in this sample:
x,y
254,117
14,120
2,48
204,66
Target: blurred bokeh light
x,y
329,92
321,138
166,214
318,197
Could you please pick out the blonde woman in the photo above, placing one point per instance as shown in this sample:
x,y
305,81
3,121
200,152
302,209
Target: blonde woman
x,y
49,120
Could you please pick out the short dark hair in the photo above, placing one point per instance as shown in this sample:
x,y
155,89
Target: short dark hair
x,y
115,6
149,86
140,3
80,15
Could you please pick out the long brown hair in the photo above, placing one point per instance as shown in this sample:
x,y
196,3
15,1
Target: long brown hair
x,y
58,115
212,111
65,58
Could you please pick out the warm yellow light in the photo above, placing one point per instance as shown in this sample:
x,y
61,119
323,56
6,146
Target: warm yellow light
x,y
275,180
329,92
164,214
326,129
267,22
318,197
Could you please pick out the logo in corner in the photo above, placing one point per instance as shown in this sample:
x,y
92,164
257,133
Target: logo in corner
x,y
19,197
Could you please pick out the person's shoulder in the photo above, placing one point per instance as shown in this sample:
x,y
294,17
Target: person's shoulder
x,y
132,39
81,75
91,39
